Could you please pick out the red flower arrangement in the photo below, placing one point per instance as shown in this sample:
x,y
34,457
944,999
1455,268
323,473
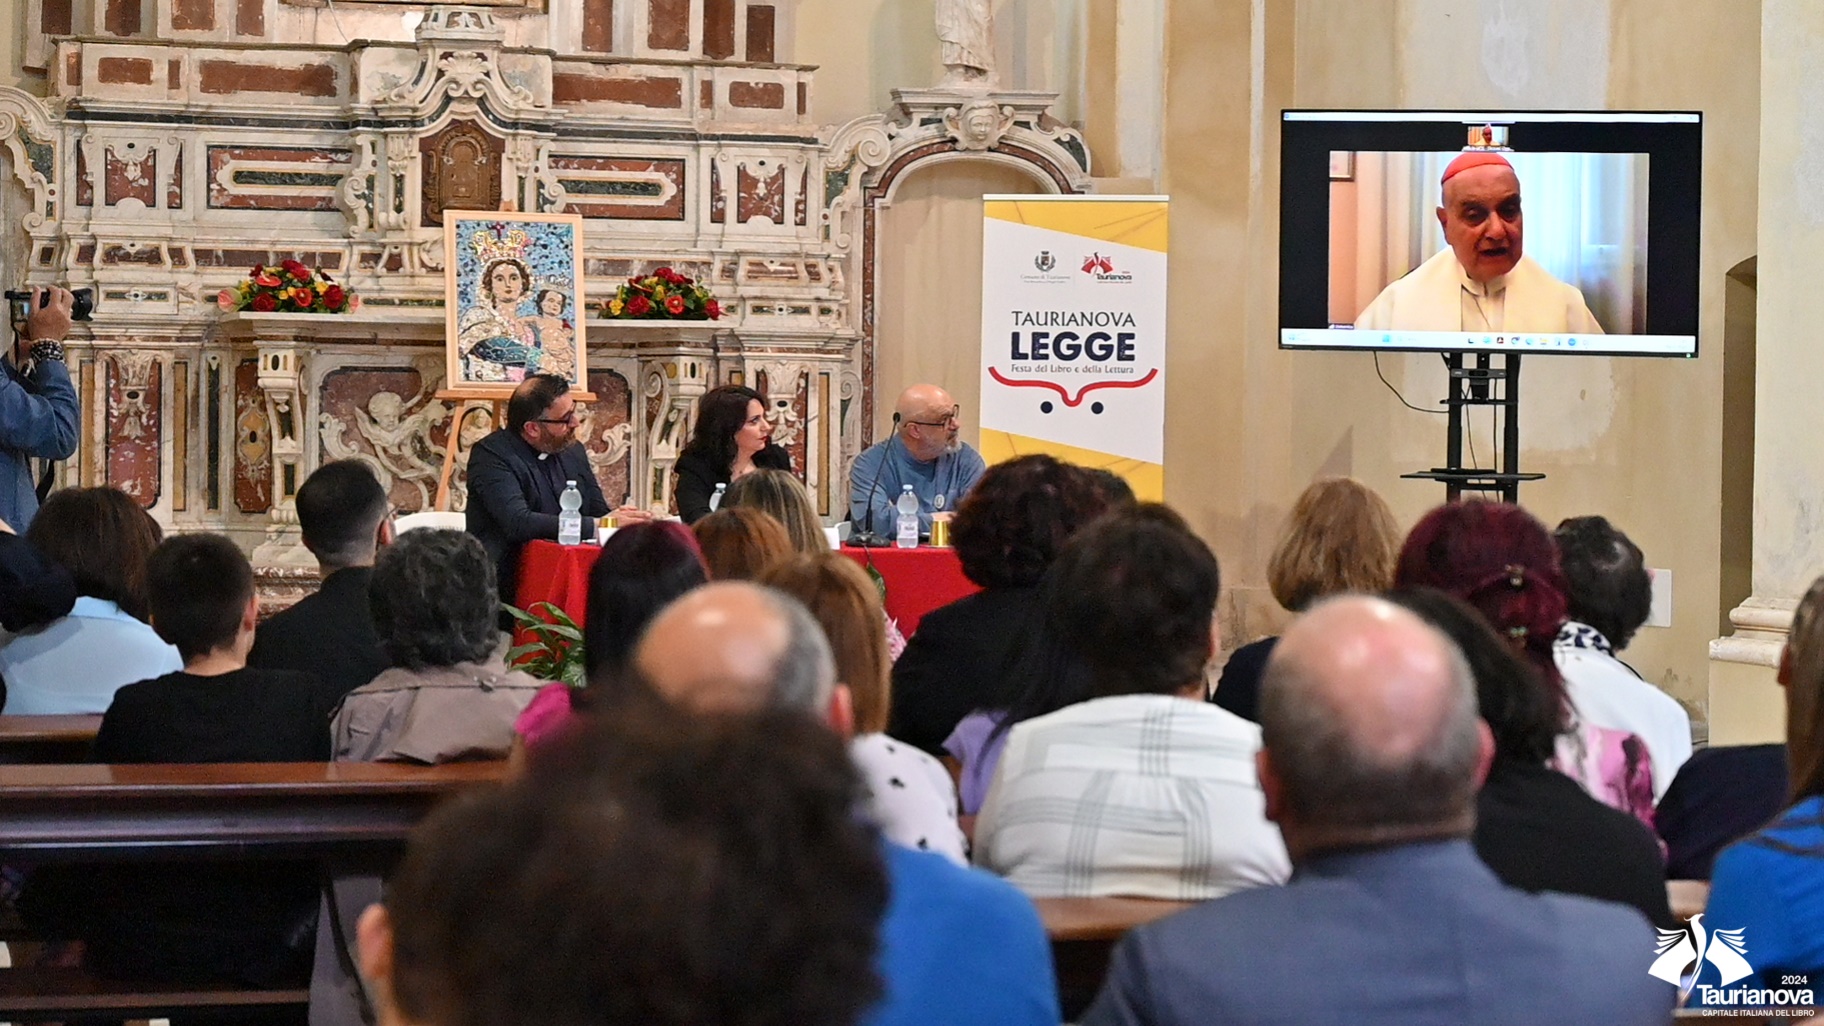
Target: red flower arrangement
x,y
288,288
664,295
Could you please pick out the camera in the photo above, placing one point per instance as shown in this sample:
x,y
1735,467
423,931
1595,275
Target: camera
x,y
19,302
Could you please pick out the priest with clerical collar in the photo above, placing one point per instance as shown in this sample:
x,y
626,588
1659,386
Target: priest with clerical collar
x,y
925,452
1482,281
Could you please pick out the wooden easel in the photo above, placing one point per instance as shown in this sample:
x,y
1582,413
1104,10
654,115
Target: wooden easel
x,y
466,399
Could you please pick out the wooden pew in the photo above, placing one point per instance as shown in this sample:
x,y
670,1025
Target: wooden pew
x,y
47,738
336,813
1083,933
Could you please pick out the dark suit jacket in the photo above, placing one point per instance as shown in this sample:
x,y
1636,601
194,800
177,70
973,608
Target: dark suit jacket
x,y
955,662
329,635
513,493
1412,935
698,478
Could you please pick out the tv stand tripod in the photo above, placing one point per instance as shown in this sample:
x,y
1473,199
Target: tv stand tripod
x,y
1476,385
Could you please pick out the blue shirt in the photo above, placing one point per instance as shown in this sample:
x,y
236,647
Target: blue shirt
x,y
76,663
881,472
1771,887
960,947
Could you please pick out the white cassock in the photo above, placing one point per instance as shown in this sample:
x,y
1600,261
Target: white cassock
x,y
1438,296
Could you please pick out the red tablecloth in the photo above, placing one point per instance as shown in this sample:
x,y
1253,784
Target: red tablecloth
x,y
918,580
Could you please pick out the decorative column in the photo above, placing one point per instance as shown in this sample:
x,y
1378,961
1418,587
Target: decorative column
x,y
280,363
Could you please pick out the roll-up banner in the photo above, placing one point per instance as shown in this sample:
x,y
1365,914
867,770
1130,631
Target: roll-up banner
x,y
1073,332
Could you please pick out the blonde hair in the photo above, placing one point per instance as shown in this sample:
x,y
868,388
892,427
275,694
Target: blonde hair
x,y
1339,537
1805,695
842,598
779,493
740,544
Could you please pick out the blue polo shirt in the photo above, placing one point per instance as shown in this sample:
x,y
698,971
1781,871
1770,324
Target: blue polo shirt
x,y
76,663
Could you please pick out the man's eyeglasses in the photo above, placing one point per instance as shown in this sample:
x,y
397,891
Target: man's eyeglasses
x,y
575,417
955,416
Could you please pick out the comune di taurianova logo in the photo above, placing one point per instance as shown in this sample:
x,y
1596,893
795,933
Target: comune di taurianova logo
x,y
1694,946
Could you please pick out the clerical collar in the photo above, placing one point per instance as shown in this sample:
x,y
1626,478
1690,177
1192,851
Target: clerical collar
x,y
544,455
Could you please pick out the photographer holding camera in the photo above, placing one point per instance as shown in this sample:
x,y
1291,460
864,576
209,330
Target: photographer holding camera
x,y
38,408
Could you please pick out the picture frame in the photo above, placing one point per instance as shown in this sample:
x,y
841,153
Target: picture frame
x,y
513,297
1342,165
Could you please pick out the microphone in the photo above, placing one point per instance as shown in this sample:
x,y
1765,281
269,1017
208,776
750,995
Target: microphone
x,y
868,538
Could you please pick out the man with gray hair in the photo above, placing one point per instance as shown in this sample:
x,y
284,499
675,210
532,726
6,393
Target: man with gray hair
x,y
1372,755
957,946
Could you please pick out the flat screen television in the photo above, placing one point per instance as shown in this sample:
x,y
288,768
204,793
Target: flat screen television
x,y
1580,229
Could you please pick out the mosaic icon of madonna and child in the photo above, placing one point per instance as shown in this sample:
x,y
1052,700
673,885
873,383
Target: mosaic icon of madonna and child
x,y
514,296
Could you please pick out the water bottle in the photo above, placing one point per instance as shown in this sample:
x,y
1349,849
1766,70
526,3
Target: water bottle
x,y
908,519
715,501
570,521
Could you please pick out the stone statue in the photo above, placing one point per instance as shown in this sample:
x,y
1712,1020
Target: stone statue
x,y
965,28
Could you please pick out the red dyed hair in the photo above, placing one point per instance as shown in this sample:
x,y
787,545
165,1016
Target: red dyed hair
x,y
1500,560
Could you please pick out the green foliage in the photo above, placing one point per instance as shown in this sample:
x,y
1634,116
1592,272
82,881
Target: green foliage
x,y
555,652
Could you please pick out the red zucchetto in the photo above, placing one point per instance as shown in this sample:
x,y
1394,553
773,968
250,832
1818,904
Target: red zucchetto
x,y
1472,158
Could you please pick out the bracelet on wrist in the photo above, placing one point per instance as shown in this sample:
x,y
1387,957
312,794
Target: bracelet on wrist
x,y
47,349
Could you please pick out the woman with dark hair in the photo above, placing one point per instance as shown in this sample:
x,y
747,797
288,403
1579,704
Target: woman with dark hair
x,y
1503,562
1535,827
641,569
449,695
1007,531
729,442
1771,885
75,664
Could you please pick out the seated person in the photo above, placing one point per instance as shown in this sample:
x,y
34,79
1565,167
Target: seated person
x,y
1481,280
665,871
923,451
346,519
1771,885
1610,595
1141,789
33,589
517,476
102,538
1372,753
729,442
957,946
740,544
248,923
1720,796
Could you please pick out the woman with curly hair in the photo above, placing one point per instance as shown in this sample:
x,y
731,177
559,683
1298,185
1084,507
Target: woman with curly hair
x,y
730,441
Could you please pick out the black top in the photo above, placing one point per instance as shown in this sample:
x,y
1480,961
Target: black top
x,y
1238,689
513,497
329,635
698,477
955,662
1719,796
1540,831
33,590
247,922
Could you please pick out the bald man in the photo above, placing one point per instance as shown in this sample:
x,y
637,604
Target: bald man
x,y
925,452
958,946
1482,280
1372,755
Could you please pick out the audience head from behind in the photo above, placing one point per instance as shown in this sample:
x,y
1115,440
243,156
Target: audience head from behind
x,y
1519,708
1011,525
344,514
1802,672
642,568
838,593
734,646
664,869
542,413
1606,579
1116,492
1370,734
202,601
778,493
739,544
103,538
434,600
1340,537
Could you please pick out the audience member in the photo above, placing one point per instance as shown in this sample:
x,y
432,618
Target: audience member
x,y
33,590
1535,827
1340,537
663,872
1006,533
1372,757
75,664
730,441
242,922
1143,789
1720,796
926,452
957,945
449,694
1771,885
1503,562
1609,594
778,493
910,793
739,544
641,569
346,520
